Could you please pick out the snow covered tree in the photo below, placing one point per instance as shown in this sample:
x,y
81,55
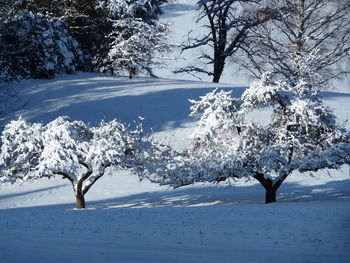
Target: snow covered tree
x,y
301,26
74,151
135,39
227,24
93,24
231,142
36,46
135,45
85,22
301,135
144,9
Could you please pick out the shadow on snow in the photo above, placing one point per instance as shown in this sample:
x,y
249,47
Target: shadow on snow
x,y
162,102
209,195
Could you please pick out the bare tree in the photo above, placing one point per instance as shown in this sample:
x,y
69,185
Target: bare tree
x,y
301,26
227,23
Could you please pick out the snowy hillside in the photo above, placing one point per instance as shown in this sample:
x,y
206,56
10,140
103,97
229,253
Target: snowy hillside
x,y
308,224
129,221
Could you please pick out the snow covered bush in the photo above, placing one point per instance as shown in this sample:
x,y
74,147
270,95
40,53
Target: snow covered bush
x,y
230,142
74,151
36,46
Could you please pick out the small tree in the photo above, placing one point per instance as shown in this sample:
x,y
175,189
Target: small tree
x,y
302,133
135,44
133,37
72,150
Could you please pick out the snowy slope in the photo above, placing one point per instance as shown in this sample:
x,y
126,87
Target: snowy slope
x,y
136,222
202,223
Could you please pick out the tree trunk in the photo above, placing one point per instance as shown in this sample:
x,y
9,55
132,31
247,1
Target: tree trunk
x,y
270,195
216,78
79,195
301,27
218,69
80,201
270,187
130,72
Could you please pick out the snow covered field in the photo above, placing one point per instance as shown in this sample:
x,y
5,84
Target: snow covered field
x,y
292,232
132,221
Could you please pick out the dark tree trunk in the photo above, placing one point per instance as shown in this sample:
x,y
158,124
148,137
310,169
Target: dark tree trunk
x,y
269,186
80,201
270,195
216,77
79,195
219,65
131,71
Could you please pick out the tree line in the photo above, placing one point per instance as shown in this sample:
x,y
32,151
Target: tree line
x,y
42,38
39,39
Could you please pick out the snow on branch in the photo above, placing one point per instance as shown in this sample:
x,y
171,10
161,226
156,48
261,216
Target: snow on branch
x,y
300,134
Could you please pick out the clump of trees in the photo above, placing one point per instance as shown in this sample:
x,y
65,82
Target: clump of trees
x,y
88,35
301,135
36,46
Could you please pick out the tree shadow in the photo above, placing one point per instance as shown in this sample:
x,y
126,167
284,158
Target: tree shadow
x,y
163,103
2,197
210,195
228,195
331,191
332,94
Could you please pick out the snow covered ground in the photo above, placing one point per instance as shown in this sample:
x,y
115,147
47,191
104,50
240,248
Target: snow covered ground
x,y
131,221
292,232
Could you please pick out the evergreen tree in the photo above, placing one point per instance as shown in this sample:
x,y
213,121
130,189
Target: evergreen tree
x,y
134,46
36,46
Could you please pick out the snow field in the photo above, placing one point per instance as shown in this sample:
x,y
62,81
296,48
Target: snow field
x,y
202,223
296,232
